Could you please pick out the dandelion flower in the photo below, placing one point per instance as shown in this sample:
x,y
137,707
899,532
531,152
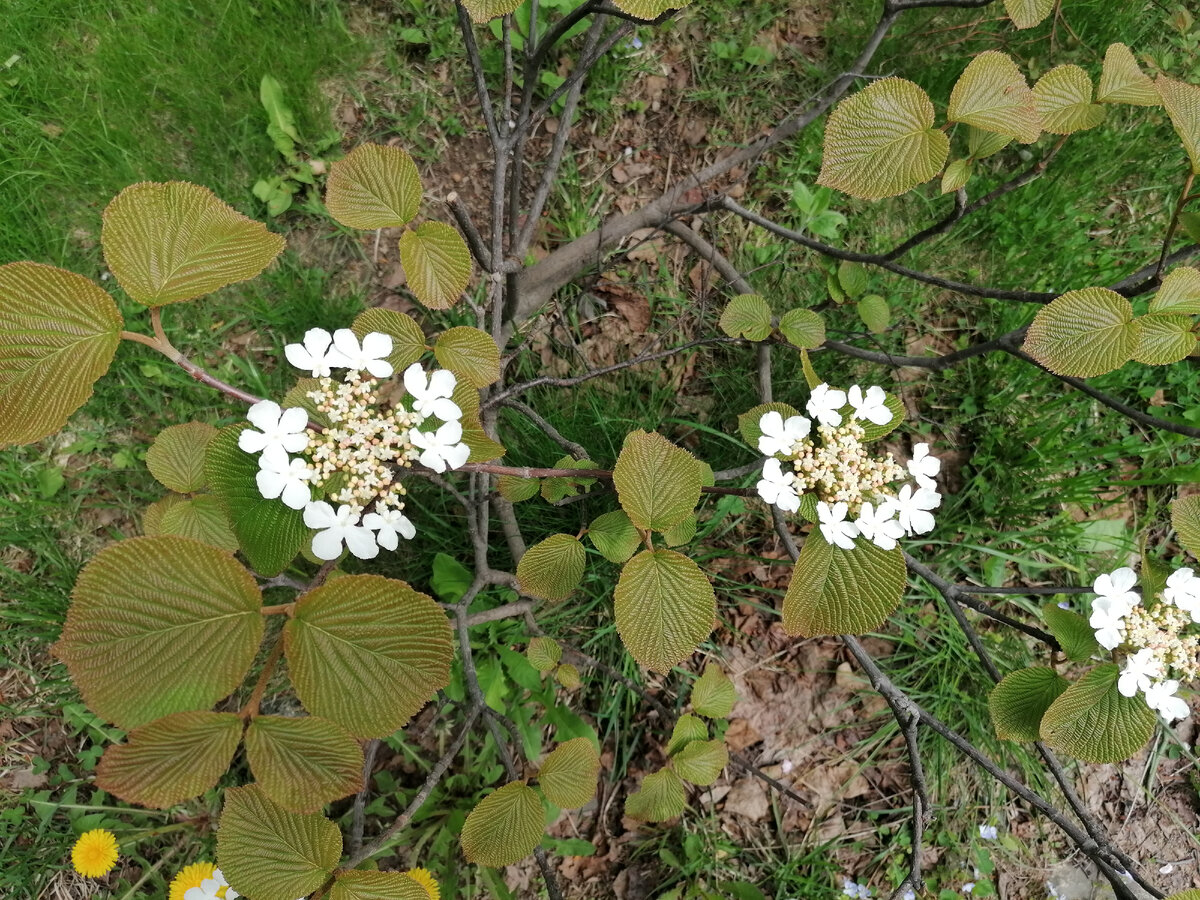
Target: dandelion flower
x,y
425,879
95,853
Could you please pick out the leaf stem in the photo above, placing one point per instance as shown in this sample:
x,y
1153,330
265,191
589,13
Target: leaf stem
x,y
1179,204
250,710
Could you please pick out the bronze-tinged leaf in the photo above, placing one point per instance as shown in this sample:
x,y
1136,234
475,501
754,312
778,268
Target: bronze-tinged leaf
x,y
504,827
1064,101
357,884
1083,333
436,262
568,775
470,354
662,796
552,569
1182,103
664,606
649,9
1093,721
303,763
373,187
1123,81
152,518
176,456
408,341
993,95
1028,13
483,10
658,484
1019,701
202,519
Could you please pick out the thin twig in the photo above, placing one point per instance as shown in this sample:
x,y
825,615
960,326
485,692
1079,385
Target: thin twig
x,y
576,450
462,216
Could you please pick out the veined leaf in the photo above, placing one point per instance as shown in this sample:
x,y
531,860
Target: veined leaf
x,y
568,775
367,652
469,353
1185,895
956,176
171,242
1093,721
483,10
543,653
171,759
1164,339
700,762
360,884
373,187
1179,293
552,569
58,334
1185,519
152,518
662,796
1182,103
614,536
202,519
747,315
505,826
1084,333
297,395
1019,701
665,607
1123,81
557,487
649,9
303,763
687,729
1028,13
875,313
836,591
881,142
748,421
437,263
408,341
482,447
1064,101
802,328
516,489
568,676
159,625
176,456
713,694
658,484
982,144
992,94
681,532
1076,637
853,278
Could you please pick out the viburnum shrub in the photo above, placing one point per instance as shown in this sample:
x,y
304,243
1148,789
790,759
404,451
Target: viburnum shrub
x,y
164,629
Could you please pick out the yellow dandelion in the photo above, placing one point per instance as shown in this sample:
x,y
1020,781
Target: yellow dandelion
x,y
424,878
95,853
190,877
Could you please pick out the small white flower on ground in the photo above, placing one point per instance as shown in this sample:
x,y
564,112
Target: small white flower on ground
x,y
852,889
924,467
279,428
335,528
779,436
909,895
913,508
431,397
786,766
1118,586
834,527
1138,672
441,449
969,887
1183,591
391,525
315,355
1166,869
988,832
824,404
871,406
1161,697
370,354
288,482
1108,619
777,487
880,525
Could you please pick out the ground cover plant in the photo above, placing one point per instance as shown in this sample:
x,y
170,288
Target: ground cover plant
x,y
245,662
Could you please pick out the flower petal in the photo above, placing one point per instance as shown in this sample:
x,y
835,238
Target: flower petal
x,y
377,345
264,414
380,368
270,484
319,514
347,344
327,544
414,381
361,542
293,419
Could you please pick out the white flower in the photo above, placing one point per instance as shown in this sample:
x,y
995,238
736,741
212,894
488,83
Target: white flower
x,y
441,449
287,480
909,895
834,527
824,404
1139,669
1118,586
988,832
315,354
391,524
334,528
1161,697
1108,618
370,355
924,467
777,487
879,525
914,508
1183,590
969,887
210,888
1166,869
282,429
432,396
779,436
871,406
851,889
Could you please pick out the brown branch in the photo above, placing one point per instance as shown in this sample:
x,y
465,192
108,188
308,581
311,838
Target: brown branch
x,y
1179,204
250,709
466,225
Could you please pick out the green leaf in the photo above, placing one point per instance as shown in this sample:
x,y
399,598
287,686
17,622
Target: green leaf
x,y
713,694
203,519
1027,13
982,144
408,341
152,518
662,796
1182,103
544,653
614,536
568,676
270,534
1189,224
437,263
1084,333
1164,339
359,884
1154,573
1185,895
171,759
450,578
681,532
700,762
270,853
367,652
505,826
687,729
303,763
658,484
58,334
1076,637
748,421
167,243
747,315
881,142
992,94
281,122
176,456
1122,81
956,176
1092,721
836,591
1063,97
469,353
482,447
568,775
297,395
1179,293
1019,701
802,328
1185,519
515,489
665,607
482,10
373,187
875,313
852,277
552,569
159,625
649,9
556,487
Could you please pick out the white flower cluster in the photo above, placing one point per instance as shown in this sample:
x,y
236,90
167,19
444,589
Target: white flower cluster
x,y
1155,635
353,461
852,488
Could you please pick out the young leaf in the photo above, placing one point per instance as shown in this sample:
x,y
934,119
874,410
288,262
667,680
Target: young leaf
x,y
270,853
482,447
556,487
658,484
992,94
1179,293
713,694
649,9
1164,339
552,569
1093,721
881,142
171,759
836,591
614,536
504,826
1027,13
159,625
437,263
470,354
1122,81
665,607
662,796
748,421
367,652
700,762
875,313
167,243
483,10
1019,701
302,763
373,187
408,341
1063,97
1084,333
1076,637
687,729
360,884
568,676
982,144
176,456
1185,519
152,518
802,328
1182,103
58,334
515,489
681,532
747,315
203,519
852,277
957,174
543,653
568,775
